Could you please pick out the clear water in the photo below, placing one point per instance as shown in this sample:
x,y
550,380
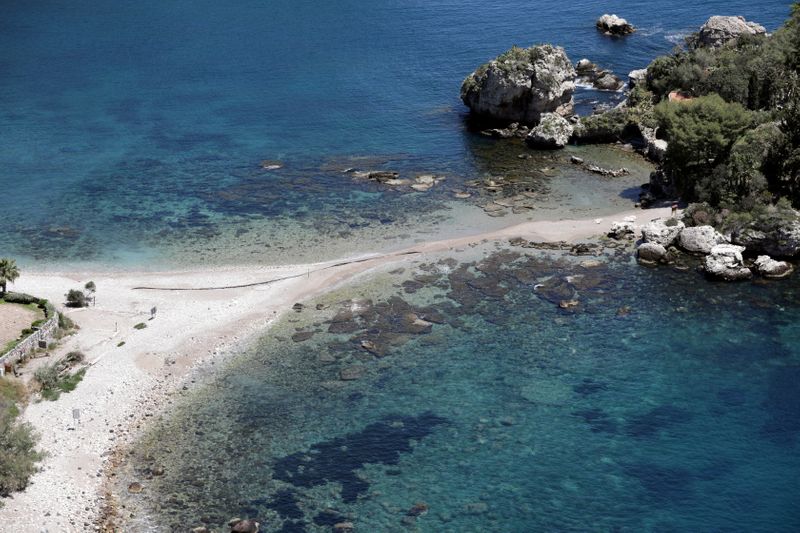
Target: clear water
x,y
132,132
661,403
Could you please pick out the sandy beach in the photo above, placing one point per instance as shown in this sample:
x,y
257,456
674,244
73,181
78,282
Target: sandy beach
x,y
193,328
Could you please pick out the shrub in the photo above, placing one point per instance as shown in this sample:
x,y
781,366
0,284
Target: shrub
x,y
64,322
47,376
20,298
140,325
76,298
19,457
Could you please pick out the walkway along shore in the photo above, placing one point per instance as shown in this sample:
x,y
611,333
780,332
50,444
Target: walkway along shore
x,y
203,316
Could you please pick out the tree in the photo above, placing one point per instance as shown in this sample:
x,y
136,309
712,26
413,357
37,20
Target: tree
x,y
76,298
91,287
701,134
8,273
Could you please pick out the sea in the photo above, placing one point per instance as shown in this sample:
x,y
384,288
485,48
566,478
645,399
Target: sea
x,y
165,134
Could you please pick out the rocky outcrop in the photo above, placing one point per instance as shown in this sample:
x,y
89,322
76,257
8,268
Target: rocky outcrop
x,y
601,79
700,239
725,262
719,30
622,230
553,131
662,231
776,237
521,85
770,268
651,253
637,77
614,25
515,129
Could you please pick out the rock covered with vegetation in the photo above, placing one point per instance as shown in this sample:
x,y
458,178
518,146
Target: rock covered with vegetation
x,y
553,131
521,85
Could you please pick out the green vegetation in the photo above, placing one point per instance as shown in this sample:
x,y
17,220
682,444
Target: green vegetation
x,y
140,325
9,272
120,344
18,442
76,298
55,378
734,144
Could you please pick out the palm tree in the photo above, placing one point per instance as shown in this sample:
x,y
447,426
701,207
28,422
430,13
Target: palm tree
x,y
8,273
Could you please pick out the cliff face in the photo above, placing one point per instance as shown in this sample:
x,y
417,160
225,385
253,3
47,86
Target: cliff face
x,y
521,85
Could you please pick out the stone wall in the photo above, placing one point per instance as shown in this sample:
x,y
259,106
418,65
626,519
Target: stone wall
x,y
30,343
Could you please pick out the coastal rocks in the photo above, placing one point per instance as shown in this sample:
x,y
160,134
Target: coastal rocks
x,y
700,239
135,488
515,129
719,30
607,172
521,85
352,373
778,237
725,262
662,231
614,25
772,269
601,79
637,77
621,230
553,131
651,253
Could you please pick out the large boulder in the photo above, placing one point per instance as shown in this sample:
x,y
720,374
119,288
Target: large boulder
x,y
662,231
521,85
725,262
553,131
770,268
719,30
651,253
614,25
700,239
777,237
622,229
637,77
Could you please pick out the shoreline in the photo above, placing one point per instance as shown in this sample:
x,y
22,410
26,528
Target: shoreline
x,y
193,331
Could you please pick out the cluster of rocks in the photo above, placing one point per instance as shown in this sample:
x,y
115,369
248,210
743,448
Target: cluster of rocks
x,y
595,169
614,25
719,30
602,79
420,183
662,238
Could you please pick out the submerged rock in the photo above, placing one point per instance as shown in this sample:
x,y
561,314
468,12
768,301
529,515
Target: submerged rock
x,y
700,239
662,231
521,85
770,268
614,25
725,262
245,526
719,30
552,132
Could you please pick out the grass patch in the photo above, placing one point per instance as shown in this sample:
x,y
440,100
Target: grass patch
x,y
120,344
140,325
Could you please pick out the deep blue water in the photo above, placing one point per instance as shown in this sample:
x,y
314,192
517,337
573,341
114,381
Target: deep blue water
x,y
130,126
661,403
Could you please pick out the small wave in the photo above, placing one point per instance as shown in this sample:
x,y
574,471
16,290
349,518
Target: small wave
x,y
677,37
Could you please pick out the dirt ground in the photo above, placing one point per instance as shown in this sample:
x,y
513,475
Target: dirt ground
x,y
13,319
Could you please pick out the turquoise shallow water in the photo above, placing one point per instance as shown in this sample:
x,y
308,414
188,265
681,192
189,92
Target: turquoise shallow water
x,y
660,403
132,132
